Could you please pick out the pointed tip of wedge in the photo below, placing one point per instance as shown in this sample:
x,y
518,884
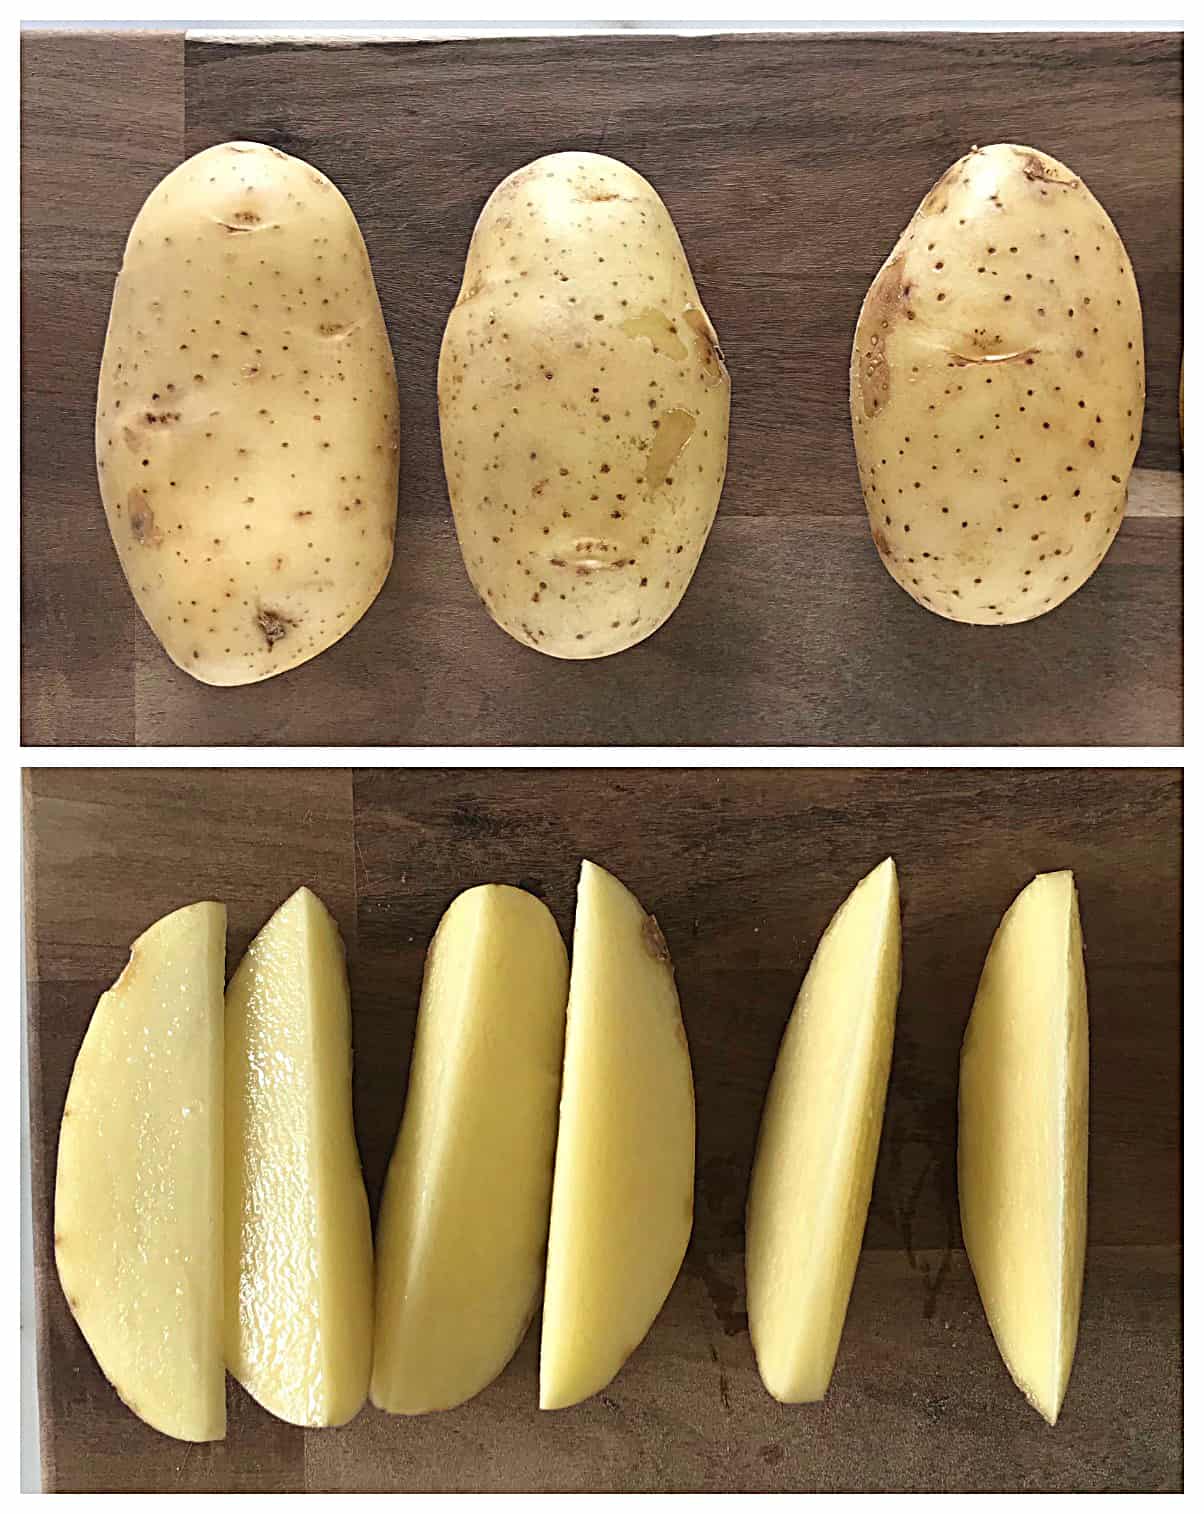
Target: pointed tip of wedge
x,y
1042,1408
883,878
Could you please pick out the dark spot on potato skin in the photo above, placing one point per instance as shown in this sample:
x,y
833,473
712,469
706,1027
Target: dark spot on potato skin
x,y
274,625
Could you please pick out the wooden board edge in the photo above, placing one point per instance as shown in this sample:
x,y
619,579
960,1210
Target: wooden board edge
x,y
38,1176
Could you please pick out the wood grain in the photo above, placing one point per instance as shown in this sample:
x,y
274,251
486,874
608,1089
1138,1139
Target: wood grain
x,y
101,122
743,869
790,164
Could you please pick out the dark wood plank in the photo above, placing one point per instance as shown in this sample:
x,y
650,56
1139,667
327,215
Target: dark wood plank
x,y
743,869
790,164
101,122
108,853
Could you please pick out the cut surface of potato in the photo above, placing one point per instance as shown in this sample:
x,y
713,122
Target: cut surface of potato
x,y
138,1195
246,417
298,1236
818,1143
623,1194
1022,1139
464,1218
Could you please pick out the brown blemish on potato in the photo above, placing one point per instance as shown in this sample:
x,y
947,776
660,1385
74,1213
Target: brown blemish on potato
x,y
274,625
886,300
654,940
338,330
714,369
1038,172
669,442
142,521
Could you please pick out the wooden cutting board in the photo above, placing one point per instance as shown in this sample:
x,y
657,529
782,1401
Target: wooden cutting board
x,y
743,869
790,164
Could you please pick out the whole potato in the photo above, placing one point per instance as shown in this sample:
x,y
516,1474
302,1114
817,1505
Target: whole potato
x,y
246,420
583,403
997,389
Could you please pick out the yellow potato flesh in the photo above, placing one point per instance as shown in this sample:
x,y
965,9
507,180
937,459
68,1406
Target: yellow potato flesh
x,y
818,1143
1022,1140
298,1239
583,406
246,420
464,1218
623,1194
138,1196
997,389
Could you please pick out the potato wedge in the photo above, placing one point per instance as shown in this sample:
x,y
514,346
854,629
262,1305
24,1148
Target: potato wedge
x,y
818,1143
623,1193
298,1238
1022,1137
138,1193
463,1226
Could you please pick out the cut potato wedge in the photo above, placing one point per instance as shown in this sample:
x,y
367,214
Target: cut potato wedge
x,y
623,1193
1022,1141
138,1195
818,1143
464,1219
298,1235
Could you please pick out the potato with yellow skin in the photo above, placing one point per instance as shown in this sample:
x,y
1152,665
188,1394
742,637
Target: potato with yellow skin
x,y
997,389
583,404
246,421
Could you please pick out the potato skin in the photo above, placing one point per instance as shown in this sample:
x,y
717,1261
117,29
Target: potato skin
x,y
246,419
583,404
997,389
